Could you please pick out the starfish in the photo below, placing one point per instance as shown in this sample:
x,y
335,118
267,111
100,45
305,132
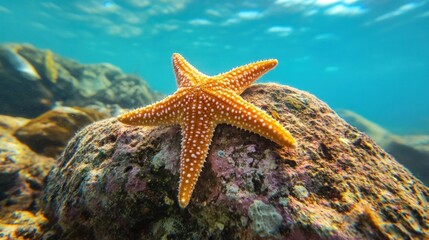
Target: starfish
x,y
202,102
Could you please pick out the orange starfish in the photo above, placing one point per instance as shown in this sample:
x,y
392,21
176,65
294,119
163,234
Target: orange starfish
x,y
200,103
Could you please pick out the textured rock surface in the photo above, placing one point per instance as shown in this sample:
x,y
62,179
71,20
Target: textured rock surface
x,y
19,95
23,225
412,151
66,81
119,182
22,172
49,133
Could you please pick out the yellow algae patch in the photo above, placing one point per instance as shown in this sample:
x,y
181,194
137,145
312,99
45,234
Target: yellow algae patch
x,y
275,115
51,71
344,140
295,103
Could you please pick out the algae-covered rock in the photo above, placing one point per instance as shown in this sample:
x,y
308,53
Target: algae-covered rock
x,y
266,221
21,89
9,124
22,172
50,70
23,225
120,182
33,80
49,133
412,151
22,169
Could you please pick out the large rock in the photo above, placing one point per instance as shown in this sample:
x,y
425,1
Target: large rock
x,y
120,182
22,173
27,148
23,225
20,95
412,151
58,79
49,133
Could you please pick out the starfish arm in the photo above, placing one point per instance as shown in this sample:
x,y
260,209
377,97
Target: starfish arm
x,y
238,79
186,74
235,111
163,112
202,102
197,136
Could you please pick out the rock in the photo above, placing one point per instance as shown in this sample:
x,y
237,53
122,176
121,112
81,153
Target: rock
x,y
49,133
9,124
18,94
64,80
119,182
23,225
412,151
22,172
266,221
418,142
380,135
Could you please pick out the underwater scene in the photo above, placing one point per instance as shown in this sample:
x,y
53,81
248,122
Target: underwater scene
x,y
186,119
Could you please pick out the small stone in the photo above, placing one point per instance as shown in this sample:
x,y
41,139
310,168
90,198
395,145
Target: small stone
x,y
300,191
158,161
219,226
284,201
265,219
168,200
221,153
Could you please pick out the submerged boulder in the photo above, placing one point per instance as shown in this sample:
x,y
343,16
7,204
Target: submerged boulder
x,y
412,151
33,80
49,133
120,182
27,148
22,172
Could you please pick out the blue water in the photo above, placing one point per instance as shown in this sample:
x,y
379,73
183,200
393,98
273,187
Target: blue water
x,y
369,56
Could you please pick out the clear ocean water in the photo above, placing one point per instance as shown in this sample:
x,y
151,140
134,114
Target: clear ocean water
x,y
369,56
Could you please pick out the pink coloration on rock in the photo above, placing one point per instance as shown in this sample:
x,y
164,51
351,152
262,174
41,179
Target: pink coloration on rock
x,y
337,184
134,184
